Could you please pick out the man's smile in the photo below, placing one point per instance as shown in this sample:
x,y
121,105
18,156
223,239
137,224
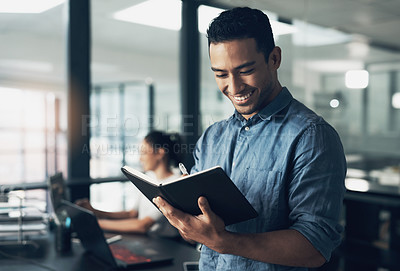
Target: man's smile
x,y
242,99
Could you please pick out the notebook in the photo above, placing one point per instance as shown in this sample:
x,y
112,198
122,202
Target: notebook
x,y
224,197
129,254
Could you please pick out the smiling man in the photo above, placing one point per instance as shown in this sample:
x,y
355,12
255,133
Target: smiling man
x,y
243,74
287,161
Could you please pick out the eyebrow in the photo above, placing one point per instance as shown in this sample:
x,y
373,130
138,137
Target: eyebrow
x,y
244,65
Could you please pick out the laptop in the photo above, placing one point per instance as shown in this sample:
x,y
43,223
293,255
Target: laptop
x,y
57,190
120,255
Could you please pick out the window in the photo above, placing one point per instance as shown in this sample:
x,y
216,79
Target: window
x,y
32,97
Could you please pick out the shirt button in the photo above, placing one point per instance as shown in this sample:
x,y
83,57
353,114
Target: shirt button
x,y
247,128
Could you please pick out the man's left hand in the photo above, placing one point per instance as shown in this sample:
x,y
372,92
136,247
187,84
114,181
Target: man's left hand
x,y
206,228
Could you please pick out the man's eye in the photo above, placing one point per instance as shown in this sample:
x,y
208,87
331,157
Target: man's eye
x,y
220,75
247,71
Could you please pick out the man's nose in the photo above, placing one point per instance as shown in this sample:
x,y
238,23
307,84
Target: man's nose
x,y
235,85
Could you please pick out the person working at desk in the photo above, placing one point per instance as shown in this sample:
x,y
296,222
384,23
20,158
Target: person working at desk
x,y
287,161
159,153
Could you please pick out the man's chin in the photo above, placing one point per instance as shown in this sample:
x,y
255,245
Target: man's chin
x,y
245,110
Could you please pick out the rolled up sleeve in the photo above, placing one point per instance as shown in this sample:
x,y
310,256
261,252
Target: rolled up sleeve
x,y
317,188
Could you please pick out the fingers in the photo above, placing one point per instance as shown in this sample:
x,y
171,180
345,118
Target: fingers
x,y
161,203
183,222
172,214
193,228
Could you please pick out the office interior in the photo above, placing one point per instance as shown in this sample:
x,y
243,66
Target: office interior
x,y
82,82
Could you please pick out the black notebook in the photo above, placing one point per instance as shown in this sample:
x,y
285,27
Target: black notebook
x,y
224,197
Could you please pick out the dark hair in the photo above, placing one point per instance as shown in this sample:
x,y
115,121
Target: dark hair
x,y
170,142
242,23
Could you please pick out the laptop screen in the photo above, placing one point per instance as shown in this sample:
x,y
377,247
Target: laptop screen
x,y
57,190
89,232
92,238
124,254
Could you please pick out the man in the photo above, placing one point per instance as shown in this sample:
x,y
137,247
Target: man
x,y
286,160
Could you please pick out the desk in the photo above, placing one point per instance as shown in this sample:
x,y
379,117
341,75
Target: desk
x,y
46,258
364,203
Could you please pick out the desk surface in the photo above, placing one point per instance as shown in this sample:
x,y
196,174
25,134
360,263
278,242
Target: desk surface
x,y
44,257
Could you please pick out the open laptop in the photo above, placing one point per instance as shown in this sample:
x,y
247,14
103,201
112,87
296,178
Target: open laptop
x,y
57,190
129,254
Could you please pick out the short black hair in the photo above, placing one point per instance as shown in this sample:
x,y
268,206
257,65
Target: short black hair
x,y
242,23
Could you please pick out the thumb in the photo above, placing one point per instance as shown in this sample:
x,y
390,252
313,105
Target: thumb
x,y
204,206
208,213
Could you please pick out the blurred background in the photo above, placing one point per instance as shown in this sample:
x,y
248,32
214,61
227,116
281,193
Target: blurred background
x,y
341,58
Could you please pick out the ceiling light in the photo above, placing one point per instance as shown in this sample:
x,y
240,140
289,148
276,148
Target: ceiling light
x,y
355,184
357,79
313,35
396,100
167,14
27,6
334,65
157,13
334,103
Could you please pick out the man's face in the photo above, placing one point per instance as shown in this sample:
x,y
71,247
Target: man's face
x,y
243,75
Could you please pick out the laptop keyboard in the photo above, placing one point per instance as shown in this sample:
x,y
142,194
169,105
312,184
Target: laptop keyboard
x,y
124,254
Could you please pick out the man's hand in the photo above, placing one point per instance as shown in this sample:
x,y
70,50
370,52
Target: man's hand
x,y
206,228
284,247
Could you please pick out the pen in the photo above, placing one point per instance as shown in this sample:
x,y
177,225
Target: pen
x,y
183,169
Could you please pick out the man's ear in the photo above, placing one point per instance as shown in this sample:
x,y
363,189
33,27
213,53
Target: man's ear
x,y
275,57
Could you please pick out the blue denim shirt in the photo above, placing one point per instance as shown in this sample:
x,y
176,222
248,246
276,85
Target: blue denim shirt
x,y
290,165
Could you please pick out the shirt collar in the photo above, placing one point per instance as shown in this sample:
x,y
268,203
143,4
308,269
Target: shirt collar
x,y
281,101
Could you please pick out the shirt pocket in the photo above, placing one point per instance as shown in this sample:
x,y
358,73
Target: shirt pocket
x,y
263,188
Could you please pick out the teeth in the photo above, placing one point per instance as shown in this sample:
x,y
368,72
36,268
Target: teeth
x,y
242,98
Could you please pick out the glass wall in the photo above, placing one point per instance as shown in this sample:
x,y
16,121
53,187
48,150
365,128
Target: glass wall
x,y
33,144
32,95
315,61
125,51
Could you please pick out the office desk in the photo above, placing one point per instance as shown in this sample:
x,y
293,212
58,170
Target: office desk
x,y
46,258
363,247
364,201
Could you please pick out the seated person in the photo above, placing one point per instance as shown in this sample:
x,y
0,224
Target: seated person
x,y
159,153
